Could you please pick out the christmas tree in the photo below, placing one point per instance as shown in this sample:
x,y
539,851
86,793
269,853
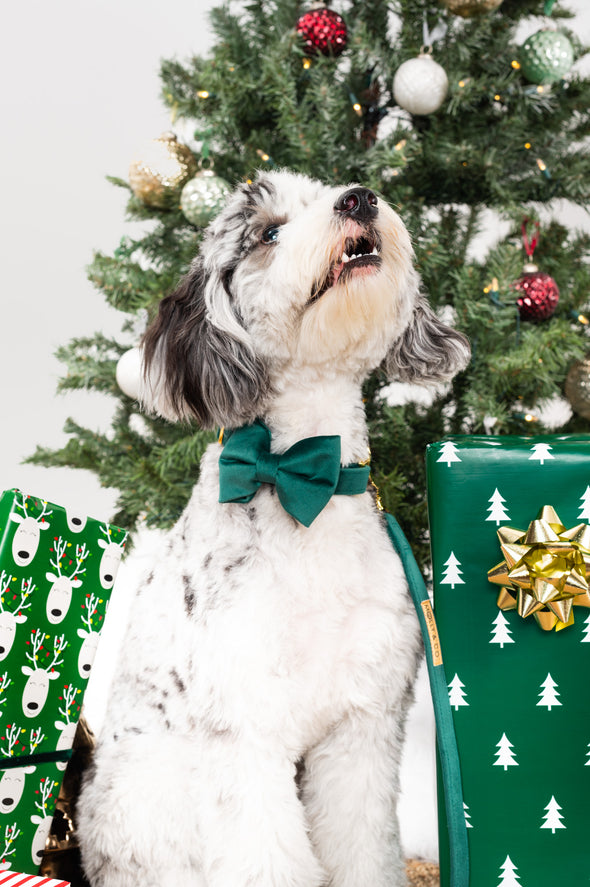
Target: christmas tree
x,y
505,755
549,694
456,694
289,86
553,817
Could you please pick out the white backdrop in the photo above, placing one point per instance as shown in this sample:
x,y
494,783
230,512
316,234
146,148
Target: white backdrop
x,y
80,96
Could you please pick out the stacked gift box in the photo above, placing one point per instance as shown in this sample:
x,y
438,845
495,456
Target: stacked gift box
x,y
516,650
57,571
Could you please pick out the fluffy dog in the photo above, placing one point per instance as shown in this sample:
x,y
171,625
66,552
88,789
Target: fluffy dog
x,y
259,647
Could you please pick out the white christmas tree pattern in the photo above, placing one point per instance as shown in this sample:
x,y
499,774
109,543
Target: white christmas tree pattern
x,y
505,754
540,452
587,764
448,453
456,695
452,575
553,817
501,634
586,631
468,823
585,506
509,878
549,693
497,511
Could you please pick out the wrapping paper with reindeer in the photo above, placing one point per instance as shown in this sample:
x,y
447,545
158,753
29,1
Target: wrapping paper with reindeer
x,y
57,570
510,535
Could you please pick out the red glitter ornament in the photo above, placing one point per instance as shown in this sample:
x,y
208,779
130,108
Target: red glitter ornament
x,y
539,294
323,30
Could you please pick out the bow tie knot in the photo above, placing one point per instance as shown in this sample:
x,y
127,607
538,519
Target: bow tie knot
x,y
267,467
306,476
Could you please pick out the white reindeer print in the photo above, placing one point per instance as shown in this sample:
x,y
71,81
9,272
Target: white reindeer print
x,y
91,638
5,682
67,727
26,539
42,820
62,584
12,783
76,521
9,619
37,686
11,833
111,557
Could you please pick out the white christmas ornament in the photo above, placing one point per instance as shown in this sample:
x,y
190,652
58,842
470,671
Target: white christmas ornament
x,y
420,85
128,372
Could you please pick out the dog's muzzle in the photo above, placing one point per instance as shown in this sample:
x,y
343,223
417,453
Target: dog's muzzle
x,y
360,206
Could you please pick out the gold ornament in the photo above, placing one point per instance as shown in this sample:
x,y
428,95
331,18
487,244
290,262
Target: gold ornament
x,y
469,8
544,571
166,166
577,387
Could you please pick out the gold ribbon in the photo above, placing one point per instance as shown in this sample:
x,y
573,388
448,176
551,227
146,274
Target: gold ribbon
x,y
544,571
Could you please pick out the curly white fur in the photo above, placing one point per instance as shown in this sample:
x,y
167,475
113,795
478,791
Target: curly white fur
x,y
256,646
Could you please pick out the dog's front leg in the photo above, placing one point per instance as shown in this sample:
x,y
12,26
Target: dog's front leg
x,y
253,822
350,790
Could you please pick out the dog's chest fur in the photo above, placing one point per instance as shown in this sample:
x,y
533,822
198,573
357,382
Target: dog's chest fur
x,y
266,619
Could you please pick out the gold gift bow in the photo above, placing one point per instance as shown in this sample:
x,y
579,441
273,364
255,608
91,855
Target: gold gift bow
x,y
544,571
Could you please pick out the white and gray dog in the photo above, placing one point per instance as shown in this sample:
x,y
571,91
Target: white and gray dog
x,y
260,647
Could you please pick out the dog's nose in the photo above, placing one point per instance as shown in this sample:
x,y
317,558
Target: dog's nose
x,y
358,203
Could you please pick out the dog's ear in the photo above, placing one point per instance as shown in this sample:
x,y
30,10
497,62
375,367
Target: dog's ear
x,y
193,369
428,350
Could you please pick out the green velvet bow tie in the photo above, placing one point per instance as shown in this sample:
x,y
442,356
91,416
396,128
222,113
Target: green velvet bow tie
x,y
306,476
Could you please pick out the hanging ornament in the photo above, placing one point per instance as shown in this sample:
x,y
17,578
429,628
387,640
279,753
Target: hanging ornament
x,y
470,8
203,197
546,56
420,85
539,294
128,372
577,387
165,165
323,31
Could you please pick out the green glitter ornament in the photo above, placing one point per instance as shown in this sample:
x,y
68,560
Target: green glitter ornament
x,y
203,197
546,56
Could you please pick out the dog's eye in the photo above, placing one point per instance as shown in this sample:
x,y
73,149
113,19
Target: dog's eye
x,y
270,234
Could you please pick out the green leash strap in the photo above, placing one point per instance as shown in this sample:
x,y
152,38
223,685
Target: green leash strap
x,y
445,731
44,757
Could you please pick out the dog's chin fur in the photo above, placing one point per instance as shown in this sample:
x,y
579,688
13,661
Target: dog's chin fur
x,y
258,647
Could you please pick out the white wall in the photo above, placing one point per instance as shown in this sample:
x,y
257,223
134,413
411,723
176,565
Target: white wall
x,y
80,95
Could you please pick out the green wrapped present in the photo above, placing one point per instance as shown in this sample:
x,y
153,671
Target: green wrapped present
x,y
510,535
57,571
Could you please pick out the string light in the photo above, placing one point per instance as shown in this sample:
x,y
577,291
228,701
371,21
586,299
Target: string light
x,y
203,94
581,318
515,64
306,64
401,145
356,105
263,155
528,146
543,168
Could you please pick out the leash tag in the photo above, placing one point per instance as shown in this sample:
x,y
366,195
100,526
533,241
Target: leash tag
x,y
432,632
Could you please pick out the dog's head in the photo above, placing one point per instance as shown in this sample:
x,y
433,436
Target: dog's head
x,y
292,276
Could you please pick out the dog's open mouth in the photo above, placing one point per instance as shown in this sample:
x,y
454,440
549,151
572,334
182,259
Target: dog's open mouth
x,y
356,254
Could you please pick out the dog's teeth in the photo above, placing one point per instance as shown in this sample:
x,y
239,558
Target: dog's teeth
x,y
345,258
375,251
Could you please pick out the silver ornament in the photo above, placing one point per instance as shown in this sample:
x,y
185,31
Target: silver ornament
x,y
203,197
420,85
128,372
